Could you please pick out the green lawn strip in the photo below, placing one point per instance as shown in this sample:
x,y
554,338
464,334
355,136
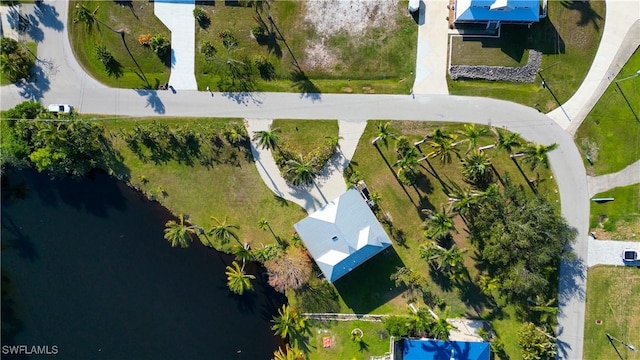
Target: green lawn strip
x,y
226,189
382,61
508,50
136,19
622,214
568,39
610,134
304,136
612,297
33,49
375,340
506,328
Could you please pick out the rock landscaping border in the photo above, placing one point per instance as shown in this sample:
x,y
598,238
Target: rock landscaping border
x,y
525,73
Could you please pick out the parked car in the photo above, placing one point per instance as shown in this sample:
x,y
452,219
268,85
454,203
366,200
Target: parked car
x,y
60,108
629,255
414,5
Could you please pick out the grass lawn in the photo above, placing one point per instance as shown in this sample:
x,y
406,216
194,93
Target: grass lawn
x,y
304,136
136,66
381,61
612,297
375,340
622,214
228,187
508,50
568,38
33,48
610,134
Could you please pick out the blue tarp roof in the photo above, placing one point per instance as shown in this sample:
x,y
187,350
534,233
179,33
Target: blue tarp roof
x,y
513,10
425,349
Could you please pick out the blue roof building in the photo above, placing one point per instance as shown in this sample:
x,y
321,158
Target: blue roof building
x,y
342,235
498,11
428,349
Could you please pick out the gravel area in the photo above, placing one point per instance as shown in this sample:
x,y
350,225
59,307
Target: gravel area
x,y
525,73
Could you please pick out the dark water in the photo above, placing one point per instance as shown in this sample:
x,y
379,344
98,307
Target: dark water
x,y
85,267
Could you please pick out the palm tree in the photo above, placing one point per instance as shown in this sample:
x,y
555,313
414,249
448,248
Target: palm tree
x,y
472,135
442,148
179,233
463,201
263,224
384,133
243,253
289,324
506,140
267,139
407,162
82,14
438,224
289,353
476,168
536,154
334,141
441,329
300,172
237,281
223,232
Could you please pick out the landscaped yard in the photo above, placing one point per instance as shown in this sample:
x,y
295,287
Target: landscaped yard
x,y
618,219
134,65
610,135
304,136
568,38
375,340
509,50
612,308
216,179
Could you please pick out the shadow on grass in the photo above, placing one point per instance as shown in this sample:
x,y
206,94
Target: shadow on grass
x,y
318,297
369,286
587,14
304,85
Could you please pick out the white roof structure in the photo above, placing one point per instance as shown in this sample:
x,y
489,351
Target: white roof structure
x,y
342,235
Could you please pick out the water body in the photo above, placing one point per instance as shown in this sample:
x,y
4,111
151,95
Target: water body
x,y
85,268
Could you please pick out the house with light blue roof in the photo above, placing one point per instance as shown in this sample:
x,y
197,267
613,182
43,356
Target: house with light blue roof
x,y
342,235
493,13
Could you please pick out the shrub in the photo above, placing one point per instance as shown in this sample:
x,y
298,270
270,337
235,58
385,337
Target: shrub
x,y
144,39
103,55
8,45
201,17
15,61
258,31
160,45
208,50
264,66
229,40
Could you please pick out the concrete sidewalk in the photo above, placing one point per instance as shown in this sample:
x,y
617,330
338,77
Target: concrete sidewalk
x,y
177,15
619,40
431,59
329,184
627,176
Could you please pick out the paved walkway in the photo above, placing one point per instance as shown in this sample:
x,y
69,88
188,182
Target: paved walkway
x,y
433,37
177,15
620,38
627,176
609,252
329,185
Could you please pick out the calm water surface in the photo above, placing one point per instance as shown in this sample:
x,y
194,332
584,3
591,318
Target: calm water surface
x,y
85,267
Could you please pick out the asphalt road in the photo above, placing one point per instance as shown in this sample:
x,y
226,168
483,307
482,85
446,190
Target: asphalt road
x,y
62,80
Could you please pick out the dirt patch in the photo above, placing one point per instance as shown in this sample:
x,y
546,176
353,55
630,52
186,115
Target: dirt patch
x,y
331,17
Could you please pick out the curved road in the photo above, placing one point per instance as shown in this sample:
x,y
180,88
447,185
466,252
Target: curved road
x,y
61,79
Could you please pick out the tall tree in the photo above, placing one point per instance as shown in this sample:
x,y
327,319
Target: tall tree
x,y
83,15
290,270
505,140
267,139
263,224
443,148
471,135
237,280
384,133
289,353
438,224
224,232
463,201
179,233
299,171
536,155
290,324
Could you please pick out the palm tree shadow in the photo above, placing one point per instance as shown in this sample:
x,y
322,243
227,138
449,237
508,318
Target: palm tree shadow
x,y
306,87
587,14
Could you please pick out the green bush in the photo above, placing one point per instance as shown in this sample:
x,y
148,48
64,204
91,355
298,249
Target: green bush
x,y
103,55
258,31
160,45
208,50
265,67
15,61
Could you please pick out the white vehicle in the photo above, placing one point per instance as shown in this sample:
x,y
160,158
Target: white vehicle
x,y
414,5
60,108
